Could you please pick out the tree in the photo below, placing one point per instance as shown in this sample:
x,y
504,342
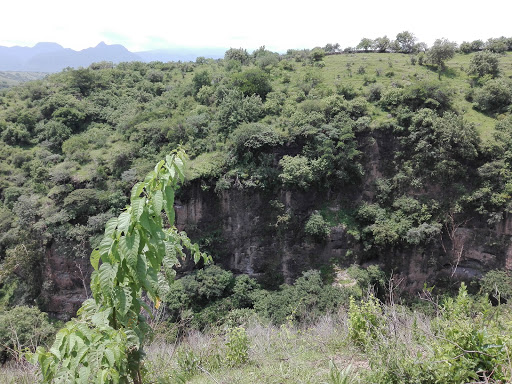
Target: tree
x,y
405,41
135,257
484,63
441,51
365,44
331,48
317,54
477,45
253,81
237,54
465,47
498,45
381,44
200,79
494,96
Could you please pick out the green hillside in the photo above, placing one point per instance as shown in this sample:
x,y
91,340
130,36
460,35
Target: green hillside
x,y
384,160
12,78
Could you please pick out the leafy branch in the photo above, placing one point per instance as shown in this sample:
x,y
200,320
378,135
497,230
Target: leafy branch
x,y
135,257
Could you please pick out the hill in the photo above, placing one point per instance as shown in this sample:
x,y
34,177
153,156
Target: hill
x,y
298,161
12,78
52,57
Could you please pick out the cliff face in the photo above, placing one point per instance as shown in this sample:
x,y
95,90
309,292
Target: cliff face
x,y
66,281
258,236
262,234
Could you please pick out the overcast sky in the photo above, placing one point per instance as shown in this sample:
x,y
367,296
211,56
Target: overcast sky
x,y
277,24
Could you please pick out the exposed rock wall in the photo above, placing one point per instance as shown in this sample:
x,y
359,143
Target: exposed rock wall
x,y
262,234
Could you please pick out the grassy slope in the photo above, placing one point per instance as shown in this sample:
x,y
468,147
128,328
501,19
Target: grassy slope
x,y
397,68
12,78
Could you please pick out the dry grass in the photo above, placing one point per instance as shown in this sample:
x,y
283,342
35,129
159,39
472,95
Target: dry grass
x,y
18,373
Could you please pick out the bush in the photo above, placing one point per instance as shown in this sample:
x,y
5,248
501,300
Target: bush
x,y
237,54
484,63
82,202
365,322
497,285
254,138
237,346
23,327
494,96
297,171
375,92
306,300
317,227
235,109
253,81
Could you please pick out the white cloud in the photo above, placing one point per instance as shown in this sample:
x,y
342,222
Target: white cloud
x,y
226,23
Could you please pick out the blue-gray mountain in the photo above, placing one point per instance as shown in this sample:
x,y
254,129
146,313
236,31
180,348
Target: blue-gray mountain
x,y
52,57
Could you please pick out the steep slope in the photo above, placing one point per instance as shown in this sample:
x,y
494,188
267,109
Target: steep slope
x,y
296,163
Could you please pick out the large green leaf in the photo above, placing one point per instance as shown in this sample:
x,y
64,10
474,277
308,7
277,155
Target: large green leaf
x,y
158,201
110,226
129,248
95,258
107,274
169,203
137,190
138,207
124,222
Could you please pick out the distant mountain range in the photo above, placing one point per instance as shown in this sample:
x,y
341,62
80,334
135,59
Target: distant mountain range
x,y
52,57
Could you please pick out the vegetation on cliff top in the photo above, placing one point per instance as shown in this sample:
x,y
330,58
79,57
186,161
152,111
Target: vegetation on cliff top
x,y
73,145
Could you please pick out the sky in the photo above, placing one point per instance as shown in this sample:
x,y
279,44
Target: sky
x,y
277,24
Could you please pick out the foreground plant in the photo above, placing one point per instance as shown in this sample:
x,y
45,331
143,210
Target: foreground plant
x,y
137,253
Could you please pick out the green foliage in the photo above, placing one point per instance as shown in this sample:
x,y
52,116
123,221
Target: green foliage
x,y
495,96
137,255
298,171
364,322
484,63
317,54
441,51
235,109
201,79
317,227
497,284
337,376
405,42
306,300
237,54
253,81
23,328
474,350
423,94
237,346
371,279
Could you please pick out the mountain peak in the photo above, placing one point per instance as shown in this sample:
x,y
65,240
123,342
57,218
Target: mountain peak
x,y
101,45
48,45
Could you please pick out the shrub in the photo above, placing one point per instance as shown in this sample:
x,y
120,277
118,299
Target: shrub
x,y
484,63
497,285
254,138
208,284
317,227
494,96
237,54
306,300
365,322
23,327
237,346
253,81
201,79
375,92
235,109
297,171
